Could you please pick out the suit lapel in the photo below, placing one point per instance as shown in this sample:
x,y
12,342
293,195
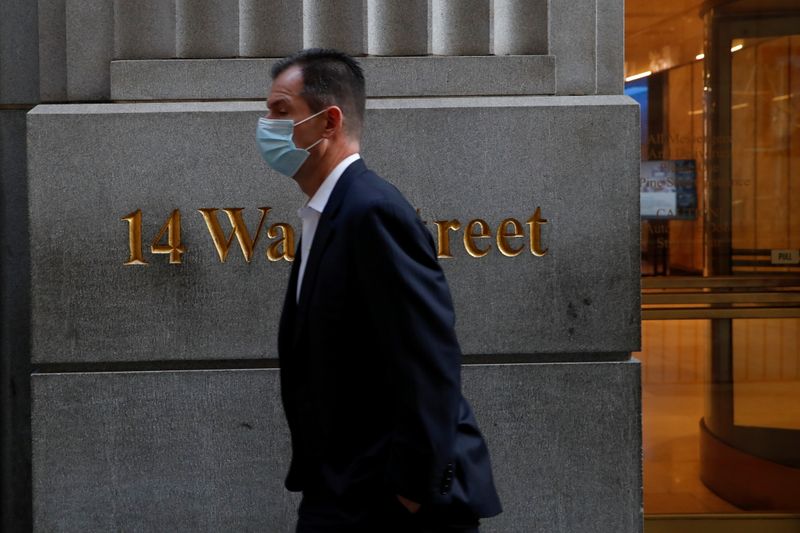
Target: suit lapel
x,y
325,231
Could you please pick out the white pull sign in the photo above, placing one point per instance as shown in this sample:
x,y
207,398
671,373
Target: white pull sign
x,y
786,257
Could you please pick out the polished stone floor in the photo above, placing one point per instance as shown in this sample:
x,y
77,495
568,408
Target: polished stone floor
x,y
670,417
674,359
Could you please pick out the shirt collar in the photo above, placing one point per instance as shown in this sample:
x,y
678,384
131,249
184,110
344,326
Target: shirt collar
x,y
320,198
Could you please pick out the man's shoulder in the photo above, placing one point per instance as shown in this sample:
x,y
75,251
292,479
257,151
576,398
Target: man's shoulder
x,y
378,212
370,192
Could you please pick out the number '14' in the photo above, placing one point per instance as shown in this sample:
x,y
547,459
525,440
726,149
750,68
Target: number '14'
x,y
171,230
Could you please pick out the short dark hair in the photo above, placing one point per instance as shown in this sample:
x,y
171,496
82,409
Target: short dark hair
x,y
330,77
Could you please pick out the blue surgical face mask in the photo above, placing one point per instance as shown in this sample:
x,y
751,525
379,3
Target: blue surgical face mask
x,y
274,138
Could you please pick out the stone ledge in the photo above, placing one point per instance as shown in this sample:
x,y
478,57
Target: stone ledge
x,y
186,79
247,106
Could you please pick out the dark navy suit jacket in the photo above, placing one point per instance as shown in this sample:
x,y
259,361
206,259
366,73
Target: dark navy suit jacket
x,y
369,360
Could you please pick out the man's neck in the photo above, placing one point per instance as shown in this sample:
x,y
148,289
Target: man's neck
x,y
310,182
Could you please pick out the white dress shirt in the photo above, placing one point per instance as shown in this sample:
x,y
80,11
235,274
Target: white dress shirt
x,y
311,212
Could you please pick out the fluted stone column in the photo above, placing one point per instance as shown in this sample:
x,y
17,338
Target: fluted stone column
x,y
610,46
90,46
52,50
397,27
573,26
460,27
520,27
144,29
339,24
270,28
207,28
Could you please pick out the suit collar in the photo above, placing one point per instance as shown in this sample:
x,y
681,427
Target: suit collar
x,y
320,198
338,193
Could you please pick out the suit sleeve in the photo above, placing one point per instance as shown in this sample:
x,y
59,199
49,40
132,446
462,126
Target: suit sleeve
x,y
410,308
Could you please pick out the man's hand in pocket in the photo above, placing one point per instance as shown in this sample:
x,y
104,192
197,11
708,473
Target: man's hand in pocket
x,y
412,507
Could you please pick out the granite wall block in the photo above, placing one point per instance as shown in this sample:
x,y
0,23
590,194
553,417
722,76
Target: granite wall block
x,y
208,450
160,451
575,159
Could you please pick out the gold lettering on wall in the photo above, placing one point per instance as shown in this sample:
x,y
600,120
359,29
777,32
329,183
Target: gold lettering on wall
x,y
443,228
246,243
136,256
503,234
168,238
535,223
171,229
470,235
286,242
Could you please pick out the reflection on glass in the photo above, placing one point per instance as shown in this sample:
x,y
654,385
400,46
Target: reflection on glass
x,y
765,152
766,373
721,391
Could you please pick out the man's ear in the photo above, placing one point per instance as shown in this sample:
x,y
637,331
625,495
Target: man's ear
x,y
335,121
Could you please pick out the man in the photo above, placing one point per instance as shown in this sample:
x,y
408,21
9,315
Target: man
x,y
382,439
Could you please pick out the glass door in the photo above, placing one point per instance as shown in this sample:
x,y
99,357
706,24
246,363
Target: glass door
x,y
720,190
752,416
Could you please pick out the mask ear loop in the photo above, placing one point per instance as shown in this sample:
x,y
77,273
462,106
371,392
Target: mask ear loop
x,y
312,116
313,145
309,118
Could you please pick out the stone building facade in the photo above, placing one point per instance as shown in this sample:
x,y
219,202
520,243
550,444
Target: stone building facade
x,y
146,396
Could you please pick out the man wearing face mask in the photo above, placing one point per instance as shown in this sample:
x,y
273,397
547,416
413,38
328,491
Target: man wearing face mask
x,y
382,438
